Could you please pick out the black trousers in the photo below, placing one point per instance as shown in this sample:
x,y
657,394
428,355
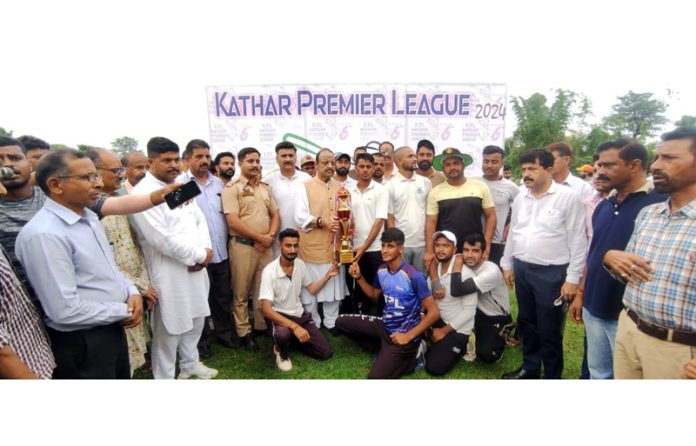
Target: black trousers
x,y
368,331
489,342
369,264
496,254
95,353
220,302
317,347
443,355
537,287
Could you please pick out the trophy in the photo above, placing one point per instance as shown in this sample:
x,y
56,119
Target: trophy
x,y
344,215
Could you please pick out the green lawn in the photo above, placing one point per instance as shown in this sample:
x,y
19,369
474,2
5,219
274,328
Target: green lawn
x,y
349,362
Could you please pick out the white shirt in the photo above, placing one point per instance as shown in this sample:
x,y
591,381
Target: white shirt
x,y
286,193
172,240
493,297
367,206
408,198
549,230
283,291
457,312
580,187
503,192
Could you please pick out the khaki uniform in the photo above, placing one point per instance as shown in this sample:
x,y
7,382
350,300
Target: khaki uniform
x,y
254,205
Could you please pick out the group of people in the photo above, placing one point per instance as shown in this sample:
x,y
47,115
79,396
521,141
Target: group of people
x,y
99,273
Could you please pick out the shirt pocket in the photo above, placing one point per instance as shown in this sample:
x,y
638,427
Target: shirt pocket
x,y
551,219
247,204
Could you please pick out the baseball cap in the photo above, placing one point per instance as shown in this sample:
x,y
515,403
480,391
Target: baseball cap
x,y
585,168
340,155
306,159
447,234
451,152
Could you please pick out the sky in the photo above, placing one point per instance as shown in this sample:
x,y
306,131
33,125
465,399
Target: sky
x,y
89,72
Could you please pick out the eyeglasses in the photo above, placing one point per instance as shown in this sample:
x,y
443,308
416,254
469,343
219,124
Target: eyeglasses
x,y
115,170
91,177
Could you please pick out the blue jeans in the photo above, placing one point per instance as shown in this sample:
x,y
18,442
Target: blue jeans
x,y
601,335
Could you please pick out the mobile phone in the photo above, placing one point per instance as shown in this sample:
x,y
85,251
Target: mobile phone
x,y
181,196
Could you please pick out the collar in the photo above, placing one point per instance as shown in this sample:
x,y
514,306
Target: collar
x,y
647,187
189,176
354,186
554,187
279,273
66,214
400,177
295,174
689,210
149,176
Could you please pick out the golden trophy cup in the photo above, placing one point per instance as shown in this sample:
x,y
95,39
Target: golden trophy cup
x,y
344,215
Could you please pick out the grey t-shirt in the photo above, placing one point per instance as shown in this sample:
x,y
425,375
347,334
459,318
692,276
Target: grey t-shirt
x,y
15,214
493,298
503,192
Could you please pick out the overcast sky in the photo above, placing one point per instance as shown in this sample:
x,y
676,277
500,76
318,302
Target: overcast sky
x,y
86,73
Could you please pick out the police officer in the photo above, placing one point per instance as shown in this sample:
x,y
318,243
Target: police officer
x,y
253,220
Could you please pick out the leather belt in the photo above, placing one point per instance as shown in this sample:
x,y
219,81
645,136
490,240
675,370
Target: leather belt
x,y
665,334
244,240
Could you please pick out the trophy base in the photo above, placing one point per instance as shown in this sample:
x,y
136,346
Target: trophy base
x,y
345,258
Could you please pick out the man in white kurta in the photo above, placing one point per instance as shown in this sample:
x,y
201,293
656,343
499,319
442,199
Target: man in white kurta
x,y
175,243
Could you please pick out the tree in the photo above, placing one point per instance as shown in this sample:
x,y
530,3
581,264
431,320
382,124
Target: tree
x,y
60,146
4,132
636,114
686,121
121,146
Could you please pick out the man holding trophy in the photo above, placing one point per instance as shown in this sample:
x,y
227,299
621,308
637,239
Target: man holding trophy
x,y
316,216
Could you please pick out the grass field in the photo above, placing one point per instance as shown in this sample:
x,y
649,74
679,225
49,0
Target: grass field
x,y
349,362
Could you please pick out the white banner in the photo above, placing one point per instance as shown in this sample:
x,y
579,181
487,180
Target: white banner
x,y
345,116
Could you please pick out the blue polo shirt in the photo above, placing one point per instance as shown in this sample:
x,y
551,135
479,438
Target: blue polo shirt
x,y
612,224
403,292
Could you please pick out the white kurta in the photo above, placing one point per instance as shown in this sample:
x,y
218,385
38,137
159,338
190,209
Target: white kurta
x,y
172,240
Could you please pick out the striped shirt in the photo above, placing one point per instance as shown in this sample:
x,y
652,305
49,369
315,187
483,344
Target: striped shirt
x,y
20,327
668,240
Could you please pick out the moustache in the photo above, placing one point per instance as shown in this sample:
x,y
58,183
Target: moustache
x,y
603,178
527,179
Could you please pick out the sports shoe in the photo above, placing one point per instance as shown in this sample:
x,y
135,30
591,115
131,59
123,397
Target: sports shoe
x,y
420,356
470,355
284,365
200,371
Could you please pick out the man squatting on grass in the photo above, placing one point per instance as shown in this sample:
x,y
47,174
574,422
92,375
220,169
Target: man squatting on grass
x,y
397,334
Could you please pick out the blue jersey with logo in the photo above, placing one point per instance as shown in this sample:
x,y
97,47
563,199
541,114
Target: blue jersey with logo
x,y
403,292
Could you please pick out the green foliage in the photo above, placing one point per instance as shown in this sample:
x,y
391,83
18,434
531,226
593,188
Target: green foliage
x,y
85,147
61,146
121,146
686,121
638,115
4,132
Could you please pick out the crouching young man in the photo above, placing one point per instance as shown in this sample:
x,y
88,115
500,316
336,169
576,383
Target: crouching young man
x,y
281,283
397,334
450,334
478,275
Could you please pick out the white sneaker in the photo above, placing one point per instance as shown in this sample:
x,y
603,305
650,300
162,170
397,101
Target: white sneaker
x,y
284,365
200,371
470,355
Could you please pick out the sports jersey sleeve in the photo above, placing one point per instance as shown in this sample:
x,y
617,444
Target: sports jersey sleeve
x,y
420,285
266,290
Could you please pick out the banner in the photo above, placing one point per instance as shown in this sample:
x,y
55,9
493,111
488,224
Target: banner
x,y
345,116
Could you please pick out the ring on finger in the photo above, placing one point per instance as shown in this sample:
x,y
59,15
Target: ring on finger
x,y
624,275
634,267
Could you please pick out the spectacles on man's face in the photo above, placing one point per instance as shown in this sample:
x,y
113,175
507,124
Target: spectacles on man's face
x,y
92,177
115,170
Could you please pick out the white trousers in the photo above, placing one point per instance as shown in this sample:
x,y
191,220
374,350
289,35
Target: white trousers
x,y
330,310
165,346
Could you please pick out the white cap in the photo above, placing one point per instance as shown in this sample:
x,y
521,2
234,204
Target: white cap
x,y
447,234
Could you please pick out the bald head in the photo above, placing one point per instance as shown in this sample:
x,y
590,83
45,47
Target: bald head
x,y
136,166
405,160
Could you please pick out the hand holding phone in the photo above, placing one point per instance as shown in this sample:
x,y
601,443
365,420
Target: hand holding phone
x,y
181,196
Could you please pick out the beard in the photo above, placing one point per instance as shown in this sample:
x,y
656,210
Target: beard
x,y
341,171
289,257
424,165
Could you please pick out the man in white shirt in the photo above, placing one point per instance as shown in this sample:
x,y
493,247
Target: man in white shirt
x,y
342,169
450,334
408,197
177,249
563,157
387,151
370,206
281,285
544,259
503,192
284,184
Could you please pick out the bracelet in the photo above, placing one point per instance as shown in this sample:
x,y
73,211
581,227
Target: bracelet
x,y
319,225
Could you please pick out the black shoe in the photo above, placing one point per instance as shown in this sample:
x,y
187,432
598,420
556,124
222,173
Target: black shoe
x,y
250,344
520,374
233,342
204,352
